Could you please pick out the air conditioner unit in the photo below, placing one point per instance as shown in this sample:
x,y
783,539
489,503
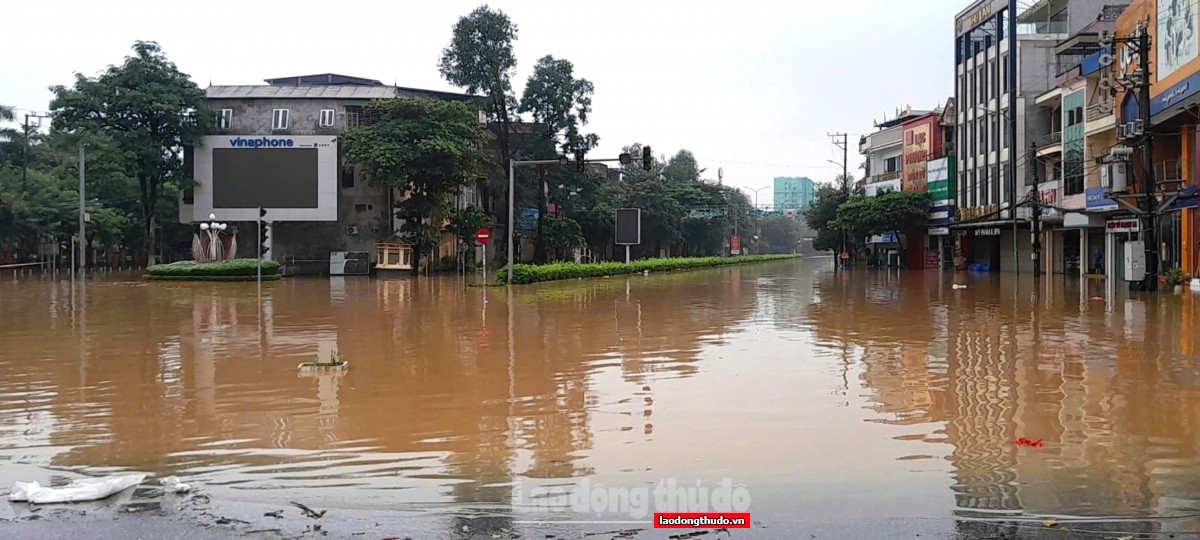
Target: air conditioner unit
x,y
1121,132
352,229
1139,127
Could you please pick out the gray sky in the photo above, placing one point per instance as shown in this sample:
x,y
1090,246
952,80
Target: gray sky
x,y
750,86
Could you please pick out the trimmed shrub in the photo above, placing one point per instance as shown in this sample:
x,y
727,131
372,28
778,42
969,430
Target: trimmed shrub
x,y
532,273
194,270
265,277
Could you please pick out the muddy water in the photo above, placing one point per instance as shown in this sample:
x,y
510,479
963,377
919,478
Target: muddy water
x,y
843,395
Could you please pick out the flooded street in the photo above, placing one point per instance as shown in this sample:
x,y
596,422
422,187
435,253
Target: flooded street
x,y
831,397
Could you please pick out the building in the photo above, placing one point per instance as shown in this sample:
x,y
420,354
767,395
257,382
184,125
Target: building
x,y
1069,159
792,193
1173,112
897,157
276,148
993,88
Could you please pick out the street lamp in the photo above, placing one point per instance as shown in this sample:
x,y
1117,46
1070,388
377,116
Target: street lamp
x,y
755,193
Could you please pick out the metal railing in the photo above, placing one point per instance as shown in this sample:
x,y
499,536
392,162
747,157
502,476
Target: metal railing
x,y
884,177
1048,139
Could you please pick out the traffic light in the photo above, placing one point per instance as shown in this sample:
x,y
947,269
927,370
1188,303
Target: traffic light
x,y
264,242
580,164
647,158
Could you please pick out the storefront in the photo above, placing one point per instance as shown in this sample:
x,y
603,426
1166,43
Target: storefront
x,y
977,249
941,185
1123,242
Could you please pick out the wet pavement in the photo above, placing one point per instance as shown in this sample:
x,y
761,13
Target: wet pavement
x,y
865,404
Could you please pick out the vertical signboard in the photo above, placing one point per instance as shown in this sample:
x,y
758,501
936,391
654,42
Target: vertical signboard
x,y
916,154
629,226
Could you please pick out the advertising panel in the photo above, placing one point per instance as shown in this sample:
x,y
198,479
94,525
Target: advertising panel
x,y
917,150
295,177
940,180
1176,37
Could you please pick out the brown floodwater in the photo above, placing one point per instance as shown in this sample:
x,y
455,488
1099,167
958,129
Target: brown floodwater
x,y
862,393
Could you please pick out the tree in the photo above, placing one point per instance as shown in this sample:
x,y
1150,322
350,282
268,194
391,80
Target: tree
x,y
560,105
894,212
821,214
682,167
779,234
427,148
150,111
479,59
465,221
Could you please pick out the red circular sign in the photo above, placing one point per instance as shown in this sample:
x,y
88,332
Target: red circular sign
x,y
483,236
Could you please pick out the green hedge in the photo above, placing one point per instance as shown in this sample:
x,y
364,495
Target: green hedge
x,y
194,270
532,273
265,277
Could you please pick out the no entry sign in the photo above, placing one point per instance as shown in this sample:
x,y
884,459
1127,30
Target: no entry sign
x,y
483,236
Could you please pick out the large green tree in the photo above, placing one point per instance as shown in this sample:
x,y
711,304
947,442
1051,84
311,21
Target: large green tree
x,y
427,148
821,216
150,111
480,59
560,104
894,212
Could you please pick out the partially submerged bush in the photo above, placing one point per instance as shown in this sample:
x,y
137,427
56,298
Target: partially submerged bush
x,y
532,273
232,270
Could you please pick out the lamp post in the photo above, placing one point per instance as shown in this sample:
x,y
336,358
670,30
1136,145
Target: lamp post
x,y
755,193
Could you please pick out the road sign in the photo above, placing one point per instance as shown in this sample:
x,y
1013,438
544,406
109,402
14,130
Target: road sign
x,y
483,236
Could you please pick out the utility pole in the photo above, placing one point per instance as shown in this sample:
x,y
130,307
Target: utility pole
x,y
25,145
1149,184
843,144
1035,231
82,215
845,158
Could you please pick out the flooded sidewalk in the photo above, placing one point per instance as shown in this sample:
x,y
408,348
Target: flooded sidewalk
x,y
856,404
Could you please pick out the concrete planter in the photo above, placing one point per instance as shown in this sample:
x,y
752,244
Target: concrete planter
x,y
313,367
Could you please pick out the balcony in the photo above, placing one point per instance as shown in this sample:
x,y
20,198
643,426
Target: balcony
x,y
1048,140
884,177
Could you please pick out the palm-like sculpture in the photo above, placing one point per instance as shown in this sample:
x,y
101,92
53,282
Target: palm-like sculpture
x,y
207,245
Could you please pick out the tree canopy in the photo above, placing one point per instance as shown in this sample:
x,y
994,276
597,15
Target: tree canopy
x,y
429,149
149,111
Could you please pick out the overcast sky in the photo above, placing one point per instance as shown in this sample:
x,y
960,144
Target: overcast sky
x,y
751,86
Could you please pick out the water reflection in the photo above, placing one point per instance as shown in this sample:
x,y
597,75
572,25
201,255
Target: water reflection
x,y
755,373
1113,393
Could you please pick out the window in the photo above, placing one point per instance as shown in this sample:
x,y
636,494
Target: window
x,y
279,120
224,119
891,164
361,207
347,178
327,118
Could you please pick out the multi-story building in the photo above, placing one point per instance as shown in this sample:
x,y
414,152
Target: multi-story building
x,y
1068,160
276,148
992,89
792,193
896,157
1173,112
